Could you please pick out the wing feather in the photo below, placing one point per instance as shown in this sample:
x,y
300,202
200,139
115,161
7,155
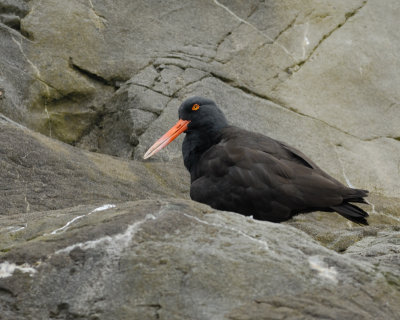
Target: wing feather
x,y
262,176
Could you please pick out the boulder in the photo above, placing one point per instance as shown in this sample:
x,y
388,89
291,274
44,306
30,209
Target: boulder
x,y
177,259
39,174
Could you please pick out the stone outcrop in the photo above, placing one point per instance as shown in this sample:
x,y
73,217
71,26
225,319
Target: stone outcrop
x,y
88,230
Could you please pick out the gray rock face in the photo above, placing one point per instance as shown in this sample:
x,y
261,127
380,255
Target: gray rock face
x,y
90,231
38,173
181,260
11,12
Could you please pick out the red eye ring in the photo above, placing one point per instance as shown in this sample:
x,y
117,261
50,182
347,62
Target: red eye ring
x,y
195,107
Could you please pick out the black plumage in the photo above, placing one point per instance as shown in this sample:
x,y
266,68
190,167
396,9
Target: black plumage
x,y
233,169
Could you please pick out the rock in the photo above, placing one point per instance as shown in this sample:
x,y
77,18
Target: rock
x,y
381,248
74,81
176,259
38,174
353,54
11,12
90,230
14,82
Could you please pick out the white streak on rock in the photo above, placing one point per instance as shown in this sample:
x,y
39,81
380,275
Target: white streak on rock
x,y
116,242
253,27
102,208
324,271
38,76
65,227
4,118
349,184
347,179
373,211
349,225
17,228
7,269
306,42
34,67
373,207
263,244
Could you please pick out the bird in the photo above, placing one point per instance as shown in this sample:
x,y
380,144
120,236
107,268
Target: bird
x,y
233,169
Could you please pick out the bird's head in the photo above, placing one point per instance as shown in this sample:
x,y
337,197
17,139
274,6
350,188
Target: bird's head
x,y
195,114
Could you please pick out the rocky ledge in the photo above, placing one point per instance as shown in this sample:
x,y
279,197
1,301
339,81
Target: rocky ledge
x,y
88,230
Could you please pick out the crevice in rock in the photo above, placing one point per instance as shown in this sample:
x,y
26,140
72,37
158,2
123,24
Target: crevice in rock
x,y
156,306
381,137
101,17
253,9
289,26
13,31
62,311
242,20
217,46
223,39
46,84
99,122
174,95
179,65
152,89
276,101
96,124
296,67
4,118
11,14
6,292
248,91
180,62
93,76
270,39
181,55
74,96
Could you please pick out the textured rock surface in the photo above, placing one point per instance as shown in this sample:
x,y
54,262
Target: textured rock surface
x,y
180,260
90,231
38,173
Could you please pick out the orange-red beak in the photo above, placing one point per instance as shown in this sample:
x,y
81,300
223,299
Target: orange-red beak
x,y
167,138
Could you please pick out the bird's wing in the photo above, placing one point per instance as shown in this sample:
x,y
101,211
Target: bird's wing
x,y
271,146
261,177
278,149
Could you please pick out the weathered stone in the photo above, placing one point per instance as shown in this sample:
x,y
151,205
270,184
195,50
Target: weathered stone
x,y
14,81
11,12
181,260
109,77
350,80
38,173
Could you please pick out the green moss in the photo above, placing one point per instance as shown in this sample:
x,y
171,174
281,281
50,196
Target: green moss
x,y
392,279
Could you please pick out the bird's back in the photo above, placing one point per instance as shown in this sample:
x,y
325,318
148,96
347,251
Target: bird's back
x,y
253,174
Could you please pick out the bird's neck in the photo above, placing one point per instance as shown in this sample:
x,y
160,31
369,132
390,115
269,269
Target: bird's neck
x,y
197,142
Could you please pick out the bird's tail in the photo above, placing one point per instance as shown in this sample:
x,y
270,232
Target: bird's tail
x,y
355,195
350,211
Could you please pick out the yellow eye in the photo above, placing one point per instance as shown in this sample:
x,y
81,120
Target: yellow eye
x,y
195,107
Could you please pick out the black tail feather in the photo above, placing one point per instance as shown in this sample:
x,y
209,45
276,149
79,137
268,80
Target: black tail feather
x,y
358,200
352,212
355,195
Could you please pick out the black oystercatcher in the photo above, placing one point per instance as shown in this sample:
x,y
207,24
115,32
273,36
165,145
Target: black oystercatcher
x,y
237,170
